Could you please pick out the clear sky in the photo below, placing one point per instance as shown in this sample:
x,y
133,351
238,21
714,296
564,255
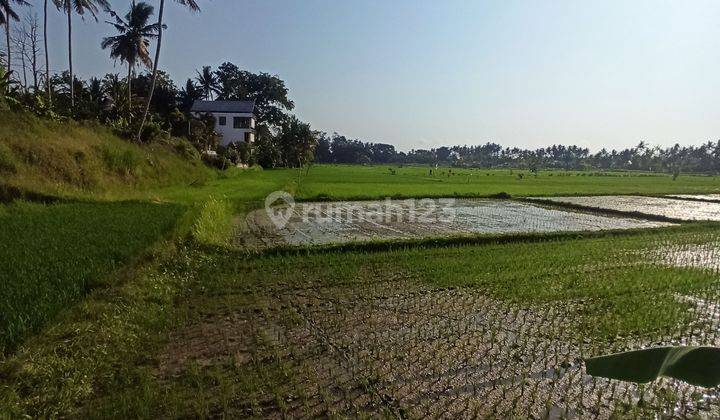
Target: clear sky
x,y
418,73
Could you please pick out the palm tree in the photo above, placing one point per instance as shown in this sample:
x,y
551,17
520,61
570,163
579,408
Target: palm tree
x,y
192,5
207,82
6,15
189,95
133,43
80,7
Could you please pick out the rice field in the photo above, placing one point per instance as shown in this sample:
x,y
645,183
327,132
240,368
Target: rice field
x,y
496,331
51,256
307,224
687,210
494,328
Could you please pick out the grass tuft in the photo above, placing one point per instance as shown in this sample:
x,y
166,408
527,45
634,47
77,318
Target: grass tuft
x,y
214,225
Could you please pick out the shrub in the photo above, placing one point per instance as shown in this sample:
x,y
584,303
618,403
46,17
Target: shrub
x,y
124,162
153,131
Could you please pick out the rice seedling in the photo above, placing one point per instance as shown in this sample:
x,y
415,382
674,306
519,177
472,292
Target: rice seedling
x,y
52,255
481,330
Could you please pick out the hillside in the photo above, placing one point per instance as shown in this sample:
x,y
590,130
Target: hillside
x,y
68,158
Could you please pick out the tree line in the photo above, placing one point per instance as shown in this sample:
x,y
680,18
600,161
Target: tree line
x,y
704,158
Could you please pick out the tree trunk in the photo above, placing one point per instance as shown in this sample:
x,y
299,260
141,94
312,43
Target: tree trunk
x,y
72,76
47,56
155,69
129,83
23,51
7,38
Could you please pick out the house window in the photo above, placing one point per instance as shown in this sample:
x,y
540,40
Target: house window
x,y
248,137
241,122
222,120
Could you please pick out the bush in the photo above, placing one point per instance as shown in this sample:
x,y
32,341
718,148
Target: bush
x,y
153,131
123,162
217,161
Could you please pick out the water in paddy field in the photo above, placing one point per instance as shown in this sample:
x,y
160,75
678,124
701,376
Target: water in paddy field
x,y
666,207
703,197
362,221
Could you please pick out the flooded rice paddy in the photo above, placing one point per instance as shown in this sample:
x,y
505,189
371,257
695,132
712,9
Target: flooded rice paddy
x,y
689,210
340,222
702,197
394,348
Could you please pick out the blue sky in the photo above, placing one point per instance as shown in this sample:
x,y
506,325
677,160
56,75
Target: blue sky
x,y
418,73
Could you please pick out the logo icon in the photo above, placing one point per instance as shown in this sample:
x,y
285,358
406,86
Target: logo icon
x,y
279,206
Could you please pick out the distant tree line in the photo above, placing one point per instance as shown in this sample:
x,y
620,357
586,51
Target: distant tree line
x,y
336,148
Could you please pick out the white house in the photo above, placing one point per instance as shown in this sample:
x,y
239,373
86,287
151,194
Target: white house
x,y
234,120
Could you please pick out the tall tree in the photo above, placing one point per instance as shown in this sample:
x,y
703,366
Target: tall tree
x,y
6,15
48,90
193,6
80,7
133,43
207,82
189,95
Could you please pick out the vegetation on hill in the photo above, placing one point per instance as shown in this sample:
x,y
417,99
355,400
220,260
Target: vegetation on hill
x,y
67,158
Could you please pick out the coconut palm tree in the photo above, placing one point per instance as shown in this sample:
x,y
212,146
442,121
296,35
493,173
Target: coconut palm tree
x,y
207,82
6,15
80,7
193,6
189,95
133,43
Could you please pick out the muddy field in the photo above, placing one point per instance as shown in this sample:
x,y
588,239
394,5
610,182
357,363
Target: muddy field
x,y
324,223
391,347
665,207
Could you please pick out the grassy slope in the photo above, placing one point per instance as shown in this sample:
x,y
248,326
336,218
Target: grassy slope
x,y
342,182
69,159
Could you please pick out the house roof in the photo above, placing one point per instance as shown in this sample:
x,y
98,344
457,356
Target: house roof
x,y
241,107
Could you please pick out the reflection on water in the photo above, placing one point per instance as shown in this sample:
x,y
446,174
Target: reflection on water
x,y
324,223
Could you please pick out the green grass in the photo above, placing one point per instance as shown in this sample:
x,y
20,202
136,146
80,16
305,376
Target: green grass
x,y
345,182
52,255
238,187
214,224
71,159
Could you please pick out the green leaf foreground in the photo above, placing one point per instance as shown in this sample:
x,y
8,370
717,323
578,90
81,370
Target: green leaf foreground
x,y
694,365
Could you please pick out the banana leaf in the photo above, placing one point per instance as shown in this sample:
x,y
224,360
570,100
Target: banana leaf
x,y
694,365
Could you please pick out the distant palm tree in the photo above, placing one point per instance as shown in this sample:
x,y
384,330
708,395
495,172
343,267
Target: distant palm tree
x,y
189,95
133,43
192,5
207,82
6,15
80,7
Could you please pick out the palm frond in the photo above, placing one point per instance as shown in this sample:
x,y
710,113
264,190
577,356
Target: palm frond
x,y
191,4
